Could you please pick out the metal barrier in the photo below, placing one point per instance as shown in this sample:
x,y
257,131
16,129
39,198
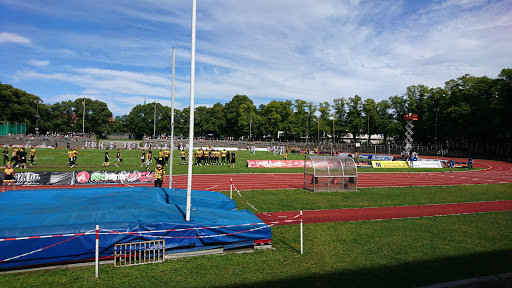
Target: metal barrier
x,y
138,253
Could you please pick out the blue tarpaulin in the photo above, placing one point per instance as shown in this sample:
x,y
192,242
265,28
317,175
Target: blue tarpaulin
x,y
32,213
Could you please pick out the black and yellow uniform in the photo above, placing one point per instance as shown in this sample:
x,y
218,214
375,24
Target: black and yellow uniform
x,y
223,156
106,163
6,155
159,175
182,154
22,158
199,156
9,177
32,157
74,156
206,155
217,156
167,154
70,158
160,160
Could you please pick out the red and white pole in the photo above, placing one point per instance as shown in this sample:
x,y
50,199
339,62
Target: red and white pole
x,y
97,256
231,189
301,235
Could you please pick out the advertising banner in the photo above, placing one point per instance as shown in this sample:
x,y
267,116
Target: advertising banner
x,y
446,164
275,163
426,164
364,164
390,164
375,157
364,156
94,177
43,178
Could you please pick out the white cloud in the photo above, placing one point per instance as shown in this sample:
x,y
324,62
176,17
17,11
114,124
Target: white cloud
x,y
38,63
6,37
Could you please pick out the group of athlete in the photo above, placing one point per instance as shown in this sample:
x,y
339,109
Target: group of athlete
x,y
212,157
19,157
72,157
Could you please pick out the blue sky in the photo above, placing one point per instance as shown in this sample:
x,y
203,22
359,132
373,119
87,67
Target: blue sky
x,y
119,51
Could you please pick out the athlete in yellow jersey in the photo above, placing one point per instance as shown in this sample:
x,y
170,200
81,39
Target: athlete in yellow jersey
x,y
32,157
9,177
70,158
159,175
182,154
223,157
207,155
74,156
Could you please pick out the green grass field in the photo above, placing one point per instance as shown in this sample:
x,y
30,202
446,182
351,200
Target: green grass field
x,y
50,160
389,253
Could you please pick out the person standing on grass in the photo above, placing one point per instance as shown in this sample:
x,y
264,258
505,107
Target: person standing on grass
x,y
6,155
9,176
148,158
452,164
70,157
118,156
233,159
223,157
159,174
75,152
22,158
470,163
143,158
106,163
32,157
182,155
14,158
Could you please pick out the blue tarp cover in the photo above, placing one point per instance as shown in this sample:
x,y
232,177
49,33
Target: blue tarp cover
x,y
26,213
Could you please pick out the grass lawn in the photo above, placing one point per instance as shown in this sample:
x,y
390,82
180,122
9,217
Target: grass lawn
x,y
48,160
389,253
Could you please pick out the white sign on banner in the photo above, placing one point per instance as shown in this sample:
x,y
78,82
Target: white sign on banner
x,y
427,164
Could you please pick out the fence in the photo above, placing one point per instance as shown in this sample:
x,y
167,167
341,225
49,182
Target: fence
x,y
138,253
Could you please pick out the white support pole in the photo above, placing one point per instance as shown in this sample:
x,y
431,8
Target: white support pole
x,y
172,124
191,124
301,235
97,256
231,189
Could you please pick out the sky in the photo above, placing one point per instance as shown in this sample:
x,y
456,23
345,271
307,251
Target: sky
x,y
120,52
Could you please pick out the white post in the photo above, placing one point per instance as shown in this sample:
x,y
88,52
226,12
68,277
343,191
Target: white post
x,y
231,189
97,256
191,124
301,235
172,123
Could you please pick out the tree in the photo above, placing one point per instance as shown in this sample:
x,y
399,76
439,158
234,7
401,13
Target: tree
x,y
98,118
238,112
369,108
340,114
355,121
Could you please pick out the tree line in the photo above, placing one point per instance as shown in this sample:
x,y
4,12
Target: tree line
x,y
468,109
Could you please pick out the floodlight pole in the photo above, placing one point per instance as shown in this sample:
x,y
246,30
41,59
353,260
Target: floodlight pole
x,y
191,126
154,122
172,123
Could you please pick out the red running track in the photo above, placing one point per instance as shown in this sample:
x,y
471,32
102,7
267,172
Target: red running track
x,y
384,213
494,172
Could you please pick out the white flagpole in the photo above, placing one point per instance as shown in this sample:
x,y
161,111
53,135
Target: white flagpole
x,y
191,124
172,123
